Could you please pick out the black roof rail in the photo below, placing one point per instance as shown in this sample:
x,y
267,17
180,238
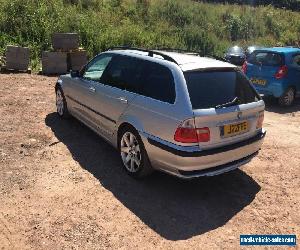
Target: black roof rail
x,y
150,52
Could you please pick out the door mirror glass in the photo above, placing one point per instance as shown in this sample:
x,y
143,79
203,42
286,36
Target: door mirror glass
x,y
74,73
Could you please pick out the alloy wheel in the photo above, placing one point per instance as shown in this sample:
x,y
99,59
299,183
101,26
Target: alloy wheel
x,y
289,97
130,152
59,102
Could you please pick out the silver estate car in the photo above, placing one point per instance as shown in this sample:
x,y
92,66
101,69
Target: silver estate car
x,y
180,113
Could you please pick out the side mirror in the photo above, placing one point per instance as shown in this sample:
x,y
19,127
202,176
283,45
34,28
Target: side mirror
x,y
74,73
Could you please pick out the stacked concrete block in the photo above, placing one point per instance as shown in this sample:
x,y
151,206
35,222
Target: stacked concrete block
x,y
77,59
65,41
66,56
54,63
17,58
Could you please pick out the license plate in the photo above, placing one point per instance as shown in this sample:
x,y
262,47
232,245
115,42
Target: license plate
x,y
258,81
234,129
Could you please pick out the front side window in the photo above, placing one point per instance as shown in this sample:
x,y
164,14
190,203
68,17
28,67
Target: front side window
x,y
96,67
209,89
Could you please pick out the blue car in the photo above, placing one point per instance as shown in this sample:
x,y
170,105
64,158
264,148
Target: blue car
x,y
275,72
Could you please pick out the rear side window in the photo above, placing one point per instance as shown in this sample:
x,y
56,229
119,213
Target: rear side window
x,y
208,89
143,77
157,82
266,59
123,72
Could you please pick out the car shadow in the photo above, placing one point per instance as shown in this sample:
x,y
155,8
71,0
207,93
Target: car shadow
x,y
273,106
175,209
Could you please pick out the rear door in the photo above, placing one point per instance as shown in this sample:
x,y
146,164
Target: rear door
x,y
115,91
262,67
225,102
295,72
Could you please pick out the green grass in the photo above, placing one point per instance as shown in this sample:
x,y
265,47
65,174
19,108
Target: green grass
x,y
185,24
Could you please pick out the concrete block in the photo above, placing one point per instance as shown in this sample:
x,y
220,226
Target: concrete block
x,y
65,41
54,63
17,58
77,59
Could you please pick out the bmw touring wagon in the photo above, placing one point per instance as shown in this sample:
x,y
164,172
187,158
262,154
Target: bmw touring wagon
x,y
180,113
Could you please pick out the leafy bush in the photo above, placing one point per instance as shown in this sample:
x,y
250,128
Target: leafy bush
x,y
288,4
184,24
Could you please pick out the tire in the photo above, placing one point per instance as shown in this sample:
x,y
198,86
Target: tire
x,y
288,98
133,154
61,104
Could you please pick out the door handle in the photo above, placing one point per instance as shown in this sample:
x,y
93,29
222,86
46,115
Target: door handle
x,y
123,100
92,89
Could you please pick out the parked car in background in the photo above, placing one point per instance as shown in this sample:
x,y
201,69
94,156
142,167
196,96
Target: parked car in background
x,y
183,114
235,55
275,72
251,49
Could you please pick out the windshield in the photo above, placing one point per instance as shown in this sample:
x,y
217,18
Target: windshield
x,y
210,89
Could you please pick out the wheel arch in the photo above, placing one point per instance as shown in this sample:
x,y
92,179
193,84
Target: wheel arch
x,y
131,122
294,87
58,84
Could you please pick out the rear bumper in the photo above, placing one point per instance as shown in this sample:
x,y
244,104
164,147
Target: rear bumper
x,y
275,89
190,162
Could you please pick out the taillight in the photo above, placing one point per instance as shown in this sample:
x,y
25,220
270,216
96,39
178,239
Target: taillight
x,y
188,133
244,67
282,72
260,121
203,134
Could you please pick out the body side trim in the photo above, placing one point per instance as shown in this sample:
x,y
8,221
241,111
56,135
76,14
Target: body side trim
x,y
96,112
207,152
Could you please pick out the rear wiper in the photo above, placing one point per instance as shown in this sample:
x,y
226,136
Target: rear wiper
x,y
228,104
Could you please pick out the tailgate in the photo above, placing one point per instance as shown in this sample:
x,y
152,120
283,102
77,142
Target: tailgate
x,y
229,125
263,65
261,75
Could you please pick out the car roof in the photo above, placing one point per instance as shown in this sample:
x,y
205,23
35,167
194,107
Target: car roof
x,y
236,48
285,50
186,61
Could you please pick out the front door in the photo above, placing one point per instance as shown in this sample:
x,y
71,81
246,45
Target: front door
x,y
83,93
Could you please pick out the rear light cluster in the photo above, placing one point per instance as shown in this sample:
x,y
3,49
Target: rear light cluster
x,y
282,72
188,133
244,67
260,121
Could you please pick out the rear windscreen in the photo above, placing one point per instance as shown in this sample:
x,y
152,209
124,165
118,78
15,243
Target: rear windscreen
x,y
208,89
266,59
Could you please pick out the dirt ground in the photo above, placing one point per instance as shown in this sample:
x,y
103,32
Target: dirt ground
x,y
61,186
